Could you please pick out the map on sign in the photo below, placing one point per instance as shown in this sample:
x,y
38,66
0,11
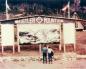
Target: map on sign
x,y
38,33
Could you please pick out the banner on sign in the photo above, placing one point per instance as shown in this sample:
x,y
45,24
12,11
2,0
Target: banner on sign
x,y
38,33
69,33
7,34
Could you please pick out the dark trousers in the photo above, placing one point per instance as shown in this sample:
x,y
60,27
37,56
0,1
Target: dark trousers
x,y
44,57
50,57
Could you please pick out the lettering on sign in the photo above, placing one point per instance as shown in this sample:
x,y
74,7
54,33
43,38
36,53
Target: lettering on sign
x,y
39,20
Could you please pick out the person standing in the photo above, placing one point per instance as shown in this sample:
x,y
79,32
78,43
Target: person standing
x,y
44,53
50,54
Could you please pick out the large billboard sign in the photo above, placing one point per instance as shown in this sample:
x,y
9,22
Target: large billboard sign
x,y
38,33
7,34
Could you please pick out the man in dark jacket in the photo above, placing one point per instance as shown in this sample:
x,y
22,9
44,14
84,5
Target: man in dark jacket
x,y
44,51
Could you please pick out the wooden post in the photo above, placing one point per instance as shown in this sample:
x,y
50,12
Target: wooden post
x,y
60,46
14,41
40,52
18,46
74,47
2,49
75,40
13,49
64,48
60,38
19,49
